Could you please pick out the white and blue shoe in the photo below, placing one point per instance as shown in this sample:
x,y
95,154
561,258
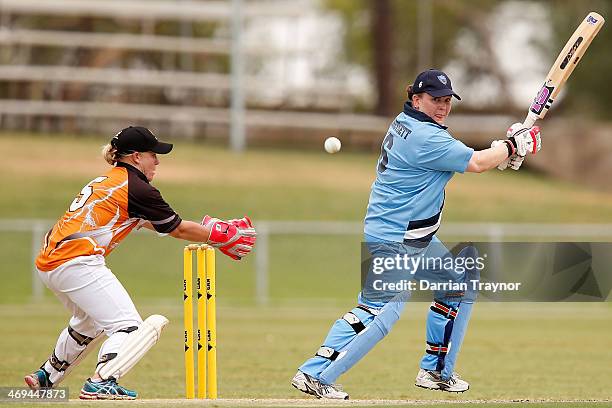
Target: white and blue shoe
x,y
432,380
106,390
312,386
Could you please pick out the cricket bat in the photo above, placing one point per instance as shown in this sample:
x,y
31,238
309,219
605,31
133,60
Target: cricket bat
x,y
564,66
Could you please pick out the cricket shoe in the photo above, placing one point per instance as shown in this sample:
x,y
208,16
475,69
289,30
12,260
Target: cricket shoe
x,y
39,379
312,386
432,380
106,390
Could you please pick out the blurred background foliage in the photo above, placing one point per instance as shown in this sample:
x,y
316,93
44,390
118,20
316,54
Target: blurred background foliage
x,y
311,57
383,36
588,83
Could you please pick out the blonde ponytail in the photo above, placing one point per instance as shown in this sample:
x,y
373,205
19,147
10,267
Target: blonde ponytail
x,y
110,154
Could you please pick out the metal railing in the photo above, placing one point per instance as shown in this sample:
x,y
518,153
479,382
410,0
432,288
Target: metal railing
x,y
135,42
493,232
186,10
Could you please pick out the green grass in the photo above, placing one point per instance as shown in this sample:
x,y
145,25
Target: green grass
x,y
43,173
513,351
315,403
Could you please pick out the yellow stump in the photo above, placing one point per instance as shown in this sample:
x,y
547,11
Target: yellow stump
x,y
207,321
188,322
201,282
211,319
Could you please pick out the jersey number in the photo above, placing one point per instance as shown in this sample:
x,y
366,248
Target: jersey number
x,y
86,192
384,158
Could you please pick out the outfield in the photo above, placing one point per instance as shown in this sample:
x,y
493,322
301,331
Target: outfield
x,y
513,351
517,351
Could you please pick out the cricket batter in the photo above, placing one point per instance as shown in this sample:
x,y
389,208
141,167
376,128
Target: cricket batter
x,y
418,158
72,264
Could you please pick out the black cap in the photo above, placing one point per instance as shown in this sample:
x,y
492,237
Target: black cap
x,y
434,82
139,139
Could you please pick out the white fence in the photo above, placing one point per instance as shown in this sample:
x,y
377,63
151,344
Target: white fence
x,y
486,231
275,95
16,45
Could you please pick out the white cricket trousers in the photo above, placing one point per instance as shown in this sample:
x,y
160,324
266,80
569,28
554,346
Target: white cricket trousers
x,y
98,303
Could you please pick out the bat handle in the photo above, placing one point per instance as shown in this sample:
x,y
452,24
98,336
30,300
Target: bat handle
x,y
530,119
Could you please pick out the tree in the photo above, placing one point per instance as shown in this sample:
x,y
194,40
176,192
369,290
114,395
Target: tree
x,y
382,40
383,36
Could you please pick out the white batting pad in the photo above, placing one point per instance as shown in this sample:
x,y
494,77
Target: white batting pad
x,y
134,348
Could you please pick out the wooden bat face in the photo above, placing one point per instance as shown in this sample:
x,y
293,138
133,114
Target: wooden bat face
x,y
564,65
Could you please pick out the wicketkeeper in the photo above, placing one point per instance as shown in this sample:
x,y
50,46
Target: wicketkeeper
x,y
72,264
418,158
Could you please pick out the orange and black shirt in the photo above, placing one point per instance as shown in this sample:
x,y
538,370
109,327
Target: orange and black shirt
x,y
105,212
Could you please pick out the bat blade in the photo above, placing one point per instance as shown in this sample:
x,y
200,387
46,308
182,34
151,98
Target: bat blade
x,y
564,66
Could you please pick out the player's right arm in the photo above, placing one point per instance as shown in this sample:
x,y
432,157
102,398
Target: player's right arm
x,y
521,142
483,160
235,238
187,230
191,231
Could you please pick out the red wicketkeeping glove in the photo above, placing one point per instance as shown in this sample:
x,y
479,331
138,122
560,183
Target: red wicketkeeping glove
x,y
243,223
235,238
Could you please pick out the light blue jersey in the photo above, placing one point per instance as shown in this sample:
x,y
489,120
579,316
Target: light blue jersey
x,y
418,158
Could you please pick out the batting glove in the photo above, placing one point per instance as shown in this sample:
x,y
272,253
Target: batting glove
x,y
522,140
